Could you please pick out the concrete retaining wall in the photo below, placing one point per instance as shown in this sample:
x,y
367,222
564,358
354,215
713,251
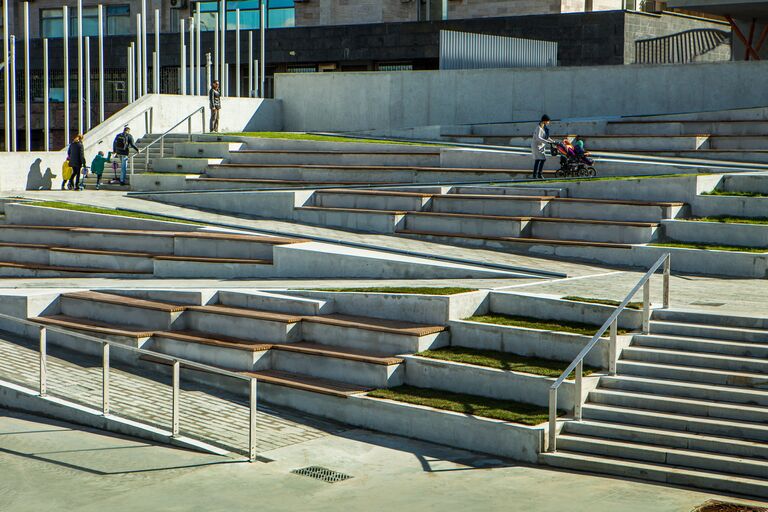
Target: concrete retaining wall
x,y
748,235
407,99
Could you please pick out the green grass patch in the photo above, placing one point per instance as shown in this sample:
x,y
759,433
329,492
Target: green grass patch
x,y
63,205
505,410
405,290
725,219
325,138
606,302
502,361
737,193
708,247
535,323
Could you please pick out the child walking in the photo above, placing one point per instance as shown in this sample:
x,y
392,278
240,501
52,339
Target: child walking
x,y
97,166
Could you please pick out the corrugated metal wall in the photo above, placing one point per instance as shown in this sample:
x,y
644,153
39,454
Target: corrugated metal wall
x,y
464,50
679,48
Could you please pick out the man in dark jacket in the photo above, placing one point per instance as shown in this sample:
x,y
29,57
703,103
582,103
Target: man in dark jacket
x,y
214,99
76,156
121,147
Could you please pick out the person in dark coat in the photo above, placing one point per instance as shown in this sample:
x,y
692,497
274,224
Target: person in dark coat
x,y
76,154
214,100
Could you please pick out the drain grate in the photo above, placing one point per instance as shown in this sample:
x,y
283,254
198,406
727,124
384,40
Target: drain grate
x,y
722,506
320,473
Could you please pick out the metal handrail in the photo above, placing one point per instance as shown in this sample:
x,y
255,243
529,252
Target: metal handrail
x,y
577,364
148,123
161,138
176,362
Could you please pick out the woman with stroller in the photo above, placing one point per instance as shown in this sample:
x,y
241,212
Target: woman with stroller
x,y
76,156
539,147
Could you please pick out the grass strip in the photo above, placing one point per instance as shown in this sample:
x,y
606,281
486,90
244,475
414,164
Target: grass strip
x,y
324,138
505,410
726,219
63,205
502,361
606,302
738,193
707,247
404,290
544,325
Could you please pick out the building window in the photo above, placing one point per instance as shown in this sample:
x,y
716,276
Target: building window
x,y
51,23
395,67
90,21
298,68
118,20
280,13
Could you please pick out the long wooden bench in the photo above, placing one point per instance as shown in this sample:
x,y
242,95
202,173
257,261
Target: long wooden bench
x,y
371,168
307,383
331,152
92,326
387,193
351,210
375,324
247,313
217,340
74,270
122,300
316,349
576,243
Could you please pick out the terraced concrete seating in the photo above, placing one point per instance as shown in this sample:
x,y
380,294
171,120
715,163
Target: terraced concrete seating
x,y
311,384
687,406
333,157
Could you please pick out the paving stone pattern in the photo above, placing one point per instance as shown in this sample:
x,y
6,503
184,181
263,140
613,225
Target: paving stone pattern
x,y
207,414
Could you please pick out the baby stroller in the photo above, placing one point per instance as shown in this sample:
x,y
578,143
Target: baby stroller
x,y
572,165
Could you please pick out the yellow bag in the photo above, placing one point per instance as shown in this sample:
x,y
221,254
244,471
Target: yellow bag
x,y
66,170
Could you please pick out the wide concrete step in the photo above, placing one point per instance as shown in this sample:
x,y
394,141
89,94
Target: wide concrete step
x,y
371,200
106,307
719,463
472,224
247,324
114,260
356,366
681,127
36,270
95,328
709,331
212,349
632,142
335,158
691,374
738,143
593,230
711,319
308,383
679,405
670,438
702,345
696,359
684,389
662,473
510,243
373,334
487,204
675,421
372,221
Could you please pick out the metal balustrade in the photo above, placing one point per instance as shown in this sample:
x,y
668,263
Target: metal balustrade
x,y
611,323
177,365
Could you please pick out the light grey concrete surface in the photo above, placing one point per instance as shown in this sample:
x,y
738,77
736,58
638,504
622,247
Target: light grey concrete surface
x,y
42,461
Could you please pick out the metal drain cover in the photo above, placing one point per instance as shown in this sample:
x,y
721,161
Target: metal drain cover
x,y
320,473
722,506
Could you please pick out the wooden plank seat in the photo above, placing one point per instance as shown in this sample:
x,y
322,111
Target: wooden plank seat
x,y
393,193
60,268
247,313
214,340
205,259
241,237
122,300
376,324
338,352
352,210
307,383
91,326
331,152
576,243
372,167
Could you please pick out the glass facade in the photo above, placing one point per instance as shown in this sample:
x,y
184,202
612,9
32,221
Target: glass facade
x,y
117,21
280,14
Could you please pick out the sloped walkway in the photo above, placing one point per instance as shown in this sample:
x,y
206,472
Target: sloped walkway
x,y
207,414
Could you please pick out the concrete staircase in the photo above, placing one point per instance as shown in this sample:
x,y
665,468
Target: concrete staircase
x,y
688,407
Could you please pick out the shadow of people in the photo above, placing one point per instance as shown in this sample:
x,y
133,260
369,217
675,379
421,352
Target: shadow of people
x,y
37,180
48,178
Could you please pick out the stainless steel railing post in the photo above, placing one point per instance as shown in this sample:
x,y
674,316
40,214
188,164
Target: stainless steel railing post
x,y
105,379
667,273
175,413
43,389
252,422
578,391
613,348
552,420
647,307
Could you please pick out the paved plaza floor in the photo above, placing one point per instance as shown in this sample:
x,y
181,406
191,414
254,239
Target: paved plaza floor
x,y
48,466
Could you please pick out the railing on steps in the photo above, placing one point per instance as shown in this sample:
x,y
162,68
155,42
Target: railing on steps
x,y
175,362
577,365
161,138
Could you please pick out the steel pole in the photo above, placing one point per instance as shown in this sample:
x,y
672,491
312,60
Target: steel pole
x,y
87,83
80,66
256,78
208,71
262,49
129,77
250,63
46,100
224,69
144,48
198,50
216,62
183,60
237,53
157,53
27,116
139,59
192,56
101,63
6,80
65,36
13,93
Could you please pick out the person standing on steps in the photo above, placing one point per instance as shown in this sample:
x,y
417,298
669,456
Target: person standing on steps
x,y
121,147
539,147
214,99
76,155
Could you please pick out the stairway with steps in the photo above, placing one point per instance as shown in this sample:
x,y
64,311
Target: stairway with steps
x,y
688,406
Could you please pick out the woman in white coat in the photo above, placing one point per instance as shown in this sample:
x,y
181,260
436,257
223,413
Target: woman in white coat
x,y
539,147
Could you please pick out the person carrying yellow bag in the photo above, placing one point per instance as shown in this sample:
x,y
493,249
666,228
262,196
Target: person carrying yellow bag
x,y
66,173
